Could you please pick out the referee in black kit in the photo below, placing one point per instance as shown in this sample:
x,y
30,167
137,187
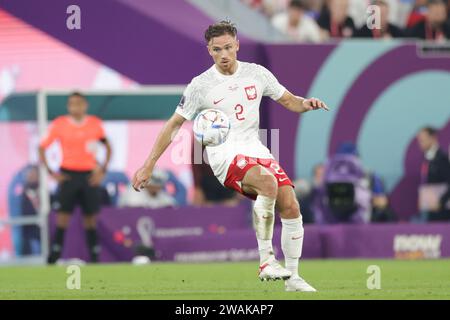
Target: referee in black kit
x,y
80,175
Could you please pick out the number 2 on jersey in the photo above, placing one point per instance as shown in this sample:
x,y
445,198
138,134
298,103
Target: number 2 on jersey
x,y
239,113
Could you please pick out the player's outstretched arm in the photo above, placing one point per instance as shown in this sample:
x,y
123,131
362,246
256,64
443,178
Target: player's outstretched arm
x,y
163,140
299,104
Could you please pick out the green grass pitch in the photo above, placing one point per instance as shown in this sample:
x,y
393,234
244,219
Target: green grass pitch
x,y
334,279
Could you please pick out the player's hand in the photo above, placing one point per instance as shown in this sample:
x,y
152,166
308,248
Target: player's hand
x,y
140,178
60,177
96,177
314,104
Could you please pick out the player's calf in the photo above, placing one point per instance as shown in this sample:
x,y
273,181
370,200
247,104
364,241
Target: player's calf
x,y
289,210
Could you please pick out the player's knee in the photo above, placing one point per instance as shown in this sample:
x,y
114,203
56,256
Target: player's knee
x,y
269,186
89,222
63,219
291,210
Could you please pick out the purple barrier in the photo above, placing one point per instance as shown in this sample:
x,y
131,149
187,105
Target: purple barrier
x,y
402,241
225,234
236,245
121,230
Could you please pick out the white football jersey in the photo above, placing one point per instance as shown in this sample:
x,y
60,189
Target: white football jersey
x,y
238,96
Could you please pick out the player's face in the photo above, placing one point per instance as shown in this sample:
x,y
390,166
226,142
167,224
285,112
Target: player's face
x,y
339,9
294,15
224,51
425,140
77,106
437,13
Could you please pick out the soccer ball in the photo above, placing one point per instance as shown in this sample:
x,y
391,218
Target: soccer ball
x,y
211,127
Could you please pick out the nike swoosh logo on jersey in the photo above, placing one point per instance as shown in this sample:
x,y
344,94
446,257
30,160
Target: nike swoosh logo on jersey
x,y
216,102
281,180
266,217
296,238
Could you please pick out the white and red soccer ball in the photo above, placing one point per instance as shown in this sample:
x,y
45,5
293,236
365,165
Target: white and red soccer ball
x,y
211,127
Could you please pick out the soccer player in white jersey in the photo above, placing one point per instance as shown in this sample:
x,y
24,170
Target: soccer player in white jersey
x,y
243,163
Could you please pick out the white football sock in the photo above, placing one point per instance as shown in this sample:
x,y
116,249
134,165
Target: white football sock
x,y
292,242
265,250
263,220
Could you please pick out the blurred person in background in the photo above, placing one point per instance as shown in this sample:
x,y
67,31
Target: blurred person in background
x,y
381,211
334,21
435,177
152,196
272,7
257,5
296,24
435,26
307,191
344,195
448,9
418,13
318,175
399,11
315,7
387,30
80,175
357,10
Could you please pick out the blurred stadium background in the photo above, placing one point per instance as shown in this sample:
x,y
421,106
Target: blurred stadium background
x,y
133,59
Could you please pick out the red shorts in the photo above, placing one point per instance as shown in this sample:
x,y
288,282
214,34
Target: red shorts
x,y
241,164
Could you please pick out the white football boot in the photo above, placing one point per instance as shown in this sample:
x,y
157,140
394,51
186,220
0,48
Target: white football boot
x,y
271,269
296,283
